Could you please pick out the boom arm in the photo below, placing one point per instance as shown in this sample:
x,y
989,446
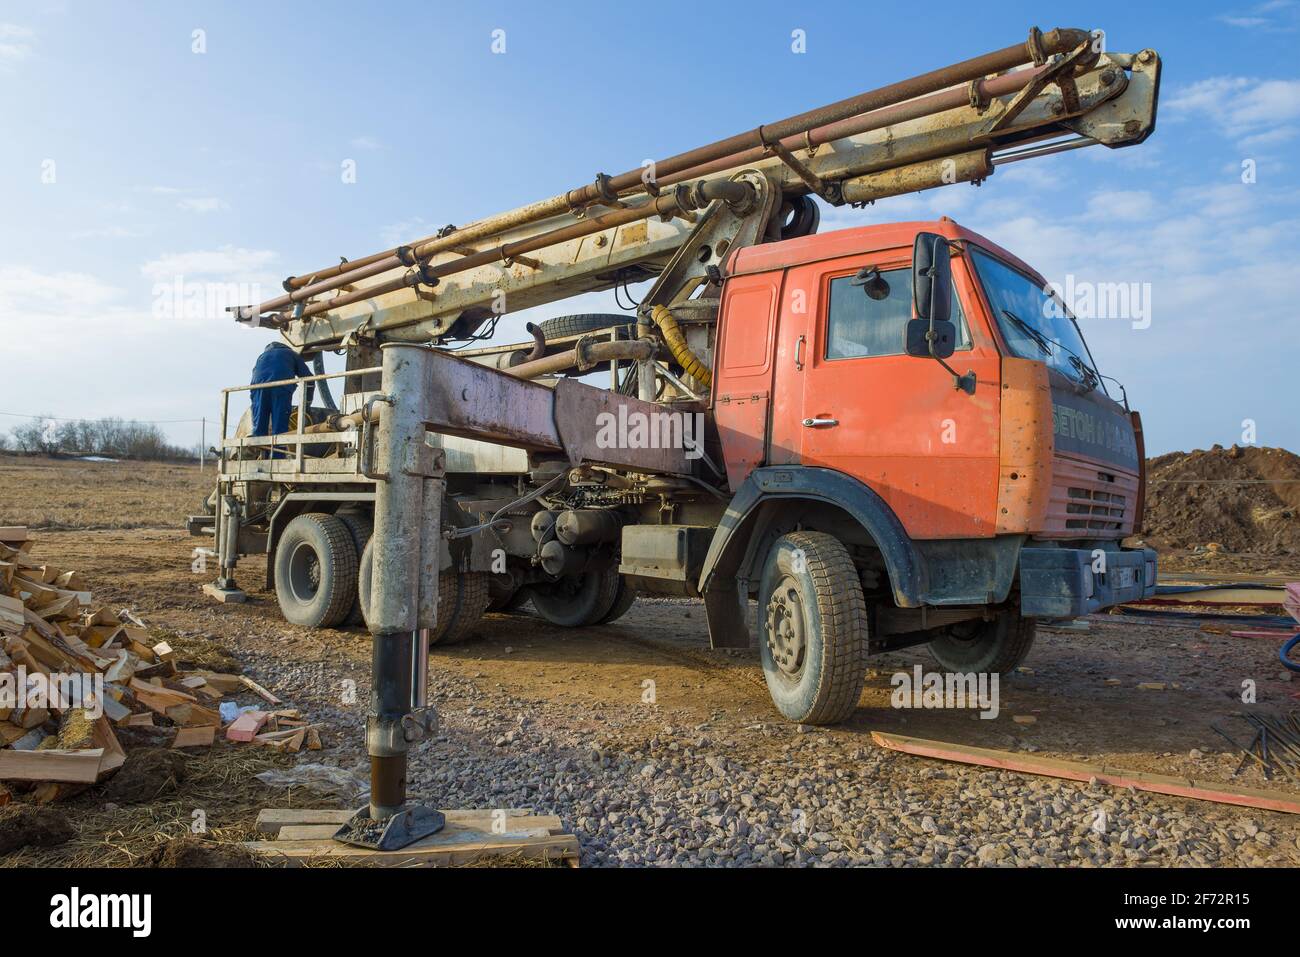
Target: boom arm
x,y
1057,91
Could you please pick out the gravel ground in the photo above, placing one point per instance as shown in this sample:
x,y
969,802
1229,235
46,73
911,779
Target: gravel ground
x,y
720,792
561,721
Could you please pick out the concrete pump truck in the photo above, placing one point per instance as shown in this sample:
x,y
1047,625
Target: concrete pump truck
x,y
882,436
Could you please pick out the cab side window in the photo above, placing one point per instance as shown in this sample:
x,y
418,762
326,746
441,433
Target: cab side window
x,y
859,326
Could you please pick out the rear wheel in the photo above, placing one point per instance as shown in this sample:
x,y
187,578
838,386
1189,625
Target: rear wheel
x,y
984,647
316,571
361,527
462,599
812,628
624,599
578,600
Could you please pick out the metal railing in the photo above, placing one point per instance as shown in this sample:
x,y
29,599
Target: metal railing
x,y
283,441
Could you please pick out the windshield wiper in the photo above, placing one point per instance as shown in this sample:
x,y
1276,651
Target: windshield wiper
x,y
1040,340
1090,376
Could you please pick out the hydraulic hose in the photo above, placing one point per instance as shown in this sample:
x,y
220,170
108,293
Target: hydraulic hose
x,y
1285,653
318,366
687,359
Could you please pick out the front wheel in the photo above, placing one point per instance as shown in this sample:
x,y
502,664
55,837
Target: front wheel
x,y
984,647
812,628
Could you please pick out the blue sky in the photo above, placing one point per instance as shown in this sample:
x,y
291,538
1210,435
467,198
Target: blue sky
x,y
128,159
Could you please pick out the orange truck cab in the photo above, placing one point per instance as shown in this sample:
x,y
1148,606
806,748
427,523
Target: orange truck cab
x,y
977,468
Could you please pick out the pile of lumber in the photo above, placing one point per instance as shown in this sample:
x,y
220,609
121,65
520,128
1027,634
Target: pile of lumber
x,y
51,631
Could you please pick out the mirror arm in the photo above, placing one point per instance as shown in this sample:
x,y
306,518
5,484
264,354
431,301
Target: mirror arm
x,y
964,382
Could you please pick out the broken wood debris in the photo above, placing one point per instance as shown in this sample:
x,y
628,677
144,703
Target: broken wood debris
x,y
71,671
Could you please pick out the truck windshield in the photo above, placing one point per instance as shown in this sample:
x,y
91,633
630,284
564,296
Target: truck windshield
x,y
1034,321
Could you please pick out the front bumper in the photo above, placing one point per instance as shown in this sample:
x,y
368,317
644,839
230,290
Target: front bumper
x,y
1069,582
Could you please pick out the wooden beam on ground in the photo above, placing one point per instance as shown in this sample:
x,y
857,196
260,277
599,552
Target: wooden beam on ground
x,y
306,836
1078,771
74,767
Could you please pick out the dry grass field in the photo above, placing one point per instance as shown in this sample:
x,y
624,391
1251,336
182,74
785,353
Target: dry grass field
x,y
63,494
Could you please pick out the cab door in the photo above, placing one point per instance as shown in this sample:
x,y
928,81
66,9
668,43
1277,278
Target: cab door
x,y
855,402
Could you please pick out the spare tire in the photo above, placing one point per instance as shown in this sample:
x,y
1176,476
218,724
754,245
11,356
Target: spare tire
x,y
583,323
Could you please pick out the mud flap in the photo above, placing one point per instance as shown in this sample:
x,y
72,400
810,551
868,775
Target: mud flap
x,y
726,614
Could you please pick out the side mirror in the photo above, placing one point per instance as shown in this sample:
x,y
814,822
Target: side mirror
x,y
928,339
931,334
932,278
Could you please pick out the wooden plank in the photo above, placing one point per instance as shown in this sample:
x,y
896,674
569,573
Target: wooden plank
x,y
195,737
12,534
271,820
11,614
455,844
105,740
77,767
1078,771
258,690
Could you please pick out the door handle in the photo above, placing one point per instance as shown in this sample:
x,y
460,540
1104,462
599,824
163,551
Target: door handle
x,y
798,354
818,423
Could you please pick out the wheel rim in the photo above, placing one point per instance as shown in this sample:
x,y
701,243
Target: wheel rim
x,y
304,573
786,638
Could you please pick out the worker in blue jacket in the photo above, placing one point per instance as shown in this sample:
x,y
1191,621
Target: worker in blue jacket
x,y
271,407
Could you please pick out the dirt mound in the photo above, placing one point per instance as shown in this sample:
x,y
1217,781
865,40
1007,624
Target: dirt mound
x,y
146,775
1242,499
192,852
25,825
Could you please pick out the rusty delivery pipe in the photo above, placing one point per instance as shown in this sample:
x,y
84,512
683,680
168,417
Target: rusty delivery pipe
x,y
981,90
1035,50
584,356
963,168
606,189
680,200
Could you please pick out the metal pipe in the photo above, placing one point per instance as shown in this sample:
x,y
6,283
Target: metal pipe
x,y
1038,47
395,579
670,204
729,152
590,354
927,174
539,343
941,102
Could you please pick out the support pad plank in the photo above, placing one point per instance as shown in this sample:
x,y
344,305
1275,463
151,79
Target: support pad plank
x,y
466,837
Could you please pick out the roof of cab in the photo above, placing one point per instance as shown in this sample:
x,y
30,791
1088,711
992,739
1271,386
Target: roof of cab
x,y
860,239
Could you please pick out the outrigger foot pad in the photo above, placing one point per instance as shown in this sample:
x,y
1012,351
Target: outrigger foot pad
x,y
391,834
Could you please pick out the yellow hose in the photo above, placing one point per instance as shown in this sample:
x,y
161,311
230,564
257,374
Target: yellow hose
x,y
687,359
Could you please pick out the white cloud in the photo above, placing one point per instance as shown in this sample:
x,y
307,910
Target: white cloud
x,y
366,143
227,264
109,232
1121,205
1272,15
14,43
24,290
202,204
1239,106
